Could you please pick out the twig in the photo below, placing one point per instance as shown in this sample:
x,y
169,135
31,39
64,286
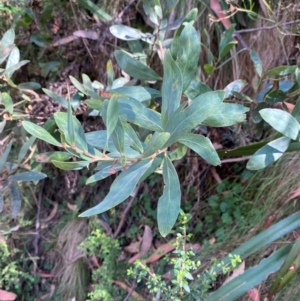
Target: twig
x,y
235,159
119,16
131,291
128,207
266,27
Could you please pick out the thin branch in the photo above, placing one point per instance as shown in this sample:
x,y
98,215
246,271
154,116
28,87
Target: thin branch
x,y
126,211
235,159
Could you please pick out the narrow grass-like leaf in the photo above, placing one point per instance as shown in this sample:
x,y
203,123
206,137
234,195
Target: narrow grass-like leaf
x,y
171,87
13,59
7,102
70,165
226,114
16,199
29,86
251,277
268,153
121,188
257,62
24,149
169,203
281,121
202,146
39,132
133,111
62,101
70,125
185,51
4,156
27,176
135,68
181,122
156,143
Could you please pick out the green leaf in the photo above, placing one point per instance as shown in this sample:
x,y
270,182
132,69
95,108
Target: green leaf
x,y
95,9
24,149
4,156
118,137
281,70
13,59
27,176
29,86
281,121
7,102
121,188
275,96
106,169
77,85
189,18
61,120
149,8
251,277
127,33
181,122
296,110
169,203
62,101
155,144
178,153
236,85
202,146
256,115
209,69
39,132
135,68
15,67
5,51
95,104
132,135
8,38
186,56
112,116
70,165
196,88
227,48
171,87
257,62
269,153
226,39
16,199
288,270
70,126
226,114
133,111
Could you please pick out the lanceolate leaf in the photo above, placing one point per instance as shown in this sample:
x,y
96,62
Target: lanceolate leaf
x,y
15,194
202,146
70,126
61,120
268,153
132,135
225,41
185,51
257,62
226,114
121,188
4,156
155,144
133,111
70,165
126,33
169,203
181,122
7,102
195,89
135,68
63,102
27,176
39,132
106,169
118,137
1,202
281,121
112,115
13,59
171,87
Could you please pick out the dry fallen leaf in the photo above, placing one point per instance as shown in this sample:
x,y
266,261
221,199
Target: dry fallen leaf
x,y
128,289
147,241
236,272
254,294
134,247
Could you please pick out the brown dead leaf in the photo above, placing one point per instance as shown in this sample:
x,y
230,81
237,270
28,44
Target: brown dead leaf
x,y
72,207
215,175
128,289
7,296
52,213
87,34
65,40
212,241
147,241
254,294
160,252
134,247
269,221
236,272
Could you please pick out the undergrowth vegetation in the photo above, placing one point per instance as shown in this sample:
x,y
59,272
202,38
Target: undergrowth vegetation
x,y
149,150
